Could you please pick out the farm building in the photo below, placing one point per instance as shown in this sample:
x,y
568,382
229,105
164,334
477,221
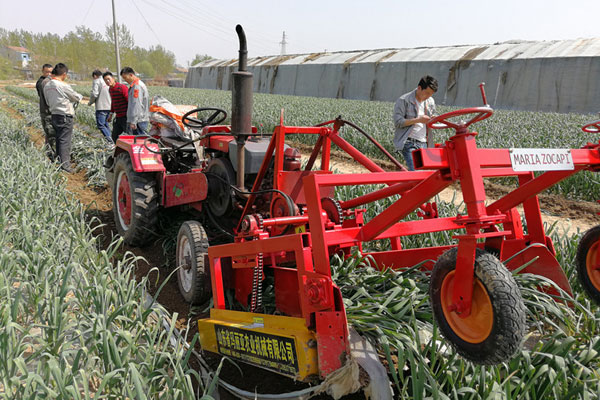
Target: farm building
x,y
558,76
18,55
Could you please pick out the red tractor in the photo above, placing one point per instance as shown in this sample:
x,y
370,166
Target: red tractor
x,y
284,223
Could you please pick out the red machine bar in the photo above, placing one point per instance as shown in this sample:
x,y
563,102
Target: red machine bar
x,y
357,155
436,158
529,189
377,195
293,220
303,130
409,202
374,178
405,228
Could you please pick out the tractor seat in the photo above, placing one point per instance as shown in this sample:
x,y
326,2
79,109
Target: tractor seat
x,y
176,142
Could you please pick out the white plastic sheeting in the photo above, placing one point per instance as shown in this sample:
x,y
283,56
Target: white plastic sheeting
x,y
556,76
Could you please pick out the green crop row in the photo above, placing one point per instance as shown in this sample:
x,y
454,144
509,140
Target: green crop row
x,y
392,310
560,359
505,129
89,149
75,324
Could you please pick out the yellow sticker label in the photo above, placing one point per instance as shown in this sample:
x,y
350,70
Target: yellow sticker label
x,y
300,229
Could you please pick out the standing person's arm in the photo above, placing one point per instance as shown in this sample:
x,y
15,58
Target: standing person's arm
x,y
432,110
135,107
429,132
400,113
423,119
39,88
71,94
96,86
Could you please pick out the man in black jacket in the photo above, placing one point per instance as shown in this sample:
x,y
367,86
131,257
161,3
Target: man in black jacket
x,y
45,111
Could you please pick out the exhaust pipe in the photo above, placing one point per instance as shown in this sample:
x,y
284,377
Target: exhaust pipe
x,y
241,107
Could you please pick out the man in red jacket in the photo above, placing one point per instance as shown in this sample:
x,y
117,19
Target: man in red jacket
x,y
119,99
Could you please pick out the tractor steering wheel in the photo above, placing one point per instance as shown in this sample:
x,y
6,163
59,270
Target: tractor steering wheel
x,y
200,122
441,121
591,127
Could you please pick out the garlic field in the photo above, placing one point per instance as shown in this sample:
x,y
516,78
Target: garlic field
x,y
504,129
76,324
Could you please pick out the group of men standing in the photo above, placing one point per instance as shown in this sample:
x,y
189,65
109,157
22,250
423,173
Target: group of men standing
x,y
58,101
129,106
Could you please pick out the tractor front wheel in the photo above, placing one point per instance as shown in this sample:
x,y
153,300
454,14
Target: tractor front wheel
x,y
193,274
135,202
493,331
588,263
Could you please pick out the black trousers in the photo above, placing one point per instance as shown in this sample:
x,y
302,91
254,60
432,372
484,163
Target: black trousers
x,y
49,133
63,126
119,127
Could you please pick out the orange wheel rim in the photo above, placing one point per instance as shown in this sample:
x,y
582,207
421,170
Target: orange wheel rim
x,y
592,267
476,327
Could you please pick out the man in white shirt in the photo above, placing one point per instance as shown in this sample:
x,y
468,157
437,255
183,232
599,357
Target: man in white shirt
x,y
100,97
61,97
412,111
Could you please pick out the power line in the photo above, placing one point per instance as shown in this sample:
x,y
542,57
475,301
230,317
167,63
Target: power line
x,y
185,20
146,21
250,29
268,44
219,32
87,12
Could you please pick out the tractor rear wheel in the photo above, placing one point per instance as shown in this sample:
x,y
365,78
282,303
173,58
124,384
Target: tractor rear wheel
x,y
493,331
588,263
221,177
193,275
135,202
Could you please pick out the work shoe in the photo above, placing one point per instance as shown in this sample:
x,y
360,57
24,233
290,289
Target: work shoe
x,y
68,170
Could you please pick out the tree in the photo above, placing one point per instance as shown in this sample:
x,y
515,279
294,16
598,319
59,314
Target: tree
x,y
200,58
6,69
145,68
125,36
162,60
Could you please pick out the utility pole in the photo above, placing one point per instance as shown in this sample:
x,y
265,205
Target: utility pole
x,y
283,43
116,33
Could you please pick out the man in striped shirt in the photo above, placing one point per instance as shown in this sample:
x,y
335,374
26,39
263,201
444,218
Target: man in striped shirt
x,y
118,106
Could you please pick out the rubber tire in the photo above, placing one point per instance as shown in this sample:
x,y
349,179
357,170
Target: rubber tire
x,y
200,290
587,240
144,208
220,201
509,326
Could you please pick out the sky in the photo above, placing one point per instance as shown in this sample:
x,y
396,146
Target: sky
x,y
190,27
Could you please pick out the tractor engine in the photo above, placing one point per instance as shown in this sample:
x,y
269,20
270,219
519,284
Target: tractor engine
x,y
226,200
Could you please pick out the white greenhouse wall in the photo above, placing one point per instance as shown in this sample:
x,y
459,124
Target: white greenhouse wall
x,y
560,76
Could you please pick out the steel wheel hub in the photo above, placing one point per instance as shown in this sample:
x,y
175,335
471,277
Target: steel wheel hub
x,y
592,265
124,200
184,262
476,327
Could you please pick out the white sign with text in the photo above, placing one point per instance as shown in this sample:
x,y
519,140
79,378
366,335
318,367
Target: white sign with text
x,y
541,159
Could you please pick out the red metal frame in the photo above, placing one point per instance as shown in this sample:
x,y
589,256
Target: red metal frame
x,y
304,287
